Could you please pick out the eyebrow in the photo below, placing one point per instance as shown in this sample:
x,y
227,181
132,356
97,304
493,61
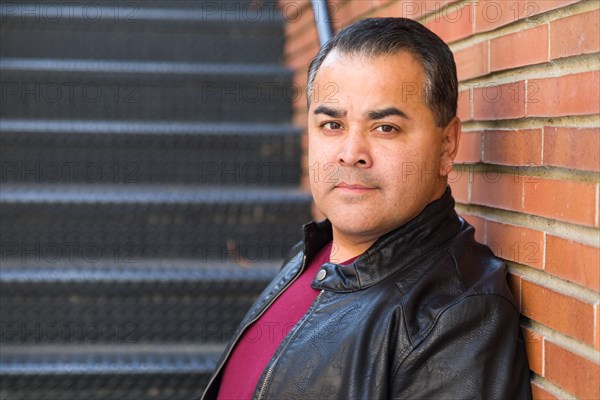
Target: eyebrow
x,y
331,112
385,112
372,114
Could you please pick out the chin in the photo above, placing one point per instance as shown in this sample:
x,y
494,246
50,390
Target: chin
x,y
354,227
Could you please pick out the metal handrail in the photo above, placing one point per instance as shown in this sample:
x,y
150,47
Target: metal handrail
x,y
322,20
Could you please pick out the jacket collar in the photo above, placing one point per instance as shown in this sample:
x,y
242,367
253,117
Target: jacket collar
x,y
437,223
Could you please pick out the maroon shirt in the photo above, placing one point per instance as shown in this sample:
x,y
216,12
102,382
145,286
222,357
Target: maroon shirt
x,y
258,344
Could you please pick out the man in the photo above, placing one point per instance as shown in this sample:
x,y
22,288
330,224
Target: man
x,y
390,296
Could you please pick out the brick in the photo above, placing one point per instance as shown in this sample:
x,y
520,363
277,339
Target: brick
x,y
308,41
297,18
572,373
492,14
340,15
300,79
577,148
514,283
299,3
414,9
380,12
534,7
299,96
578,34
469,149
472,61
300,60
516,243
539,393
497,190
558,311
551,97
459,184
304,142
431,4
418,9
300,119
398,9
575,262
305,185
522,147
359,8
521,48
464,106
299,108
299,101
568,201
534,343
453,24
335,7
493,101
597,331
479,224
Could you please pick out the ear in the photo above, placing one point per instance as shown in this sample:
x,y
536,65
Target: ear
x,y
450,140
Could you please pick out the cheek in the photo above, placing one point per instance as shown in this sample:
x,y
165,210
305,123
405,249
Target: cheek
x,y
313,164
320,159
395,165
314,147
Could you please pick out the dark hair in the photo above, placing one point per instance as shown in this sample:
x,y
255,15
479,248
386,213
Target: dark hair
x,y
379,36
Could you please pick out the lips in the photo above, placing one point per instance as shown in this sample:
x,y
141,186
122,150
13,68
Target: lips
x,y
357,187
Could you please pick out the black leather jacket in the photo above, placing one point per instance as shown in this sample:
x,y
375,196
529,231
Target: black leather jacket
x,y
425,313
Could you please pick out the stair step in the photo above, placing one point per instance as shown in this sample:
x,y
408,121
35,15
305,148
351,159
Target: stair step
x,y
98,89
131,31
129,303
133,358
65,372
124,277
142,222
73,11
12,65
208,5
47,151
145,195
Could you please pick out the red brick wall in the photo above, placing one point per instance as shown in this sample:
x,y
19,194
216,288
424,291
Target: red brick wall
x,y
527,173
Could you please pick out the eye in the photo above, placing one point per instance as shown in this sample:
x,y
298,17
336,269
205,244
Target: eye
x,y
332,126
386,128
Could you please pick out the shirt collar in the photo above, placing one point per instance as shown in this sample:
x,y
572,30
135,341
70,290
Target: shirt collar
x,y
390,253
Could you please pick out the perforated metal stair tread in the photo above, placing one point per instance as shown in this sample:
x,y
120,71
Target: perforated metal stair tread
x,y
149,194
128,358
136,12
146,90
129,371
133,31
195,97
214,268
25,126
138,67
139,272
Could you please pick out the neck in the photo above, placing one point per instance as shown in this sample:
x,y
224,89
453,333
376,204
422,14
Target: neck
x,y
345,247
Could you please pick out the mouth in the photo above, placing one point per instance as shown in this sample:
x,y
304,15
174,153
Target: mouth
x,y
354,187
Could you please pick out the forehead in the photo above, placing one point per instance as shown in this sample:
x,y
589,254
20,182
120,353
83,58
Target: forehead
x,y
397,78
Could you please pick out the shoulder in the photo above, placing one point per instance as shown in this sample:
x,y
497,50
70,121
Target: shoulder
x,y
461,277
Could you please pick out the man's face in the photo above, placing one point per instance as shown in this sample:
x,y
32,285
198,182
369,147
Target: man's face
x,y
376,156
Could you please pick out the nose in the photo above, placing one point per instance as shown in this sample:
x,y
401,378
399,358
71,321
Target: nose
x,y
354,151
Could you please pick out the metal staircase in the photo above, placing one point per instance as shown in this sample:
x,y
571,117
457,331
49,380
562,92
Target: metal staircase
x,y
149,190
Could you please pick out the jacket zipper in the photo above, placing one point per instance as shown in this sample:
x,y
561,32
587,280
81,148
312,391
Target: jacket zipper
x,y
270,371
253,320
